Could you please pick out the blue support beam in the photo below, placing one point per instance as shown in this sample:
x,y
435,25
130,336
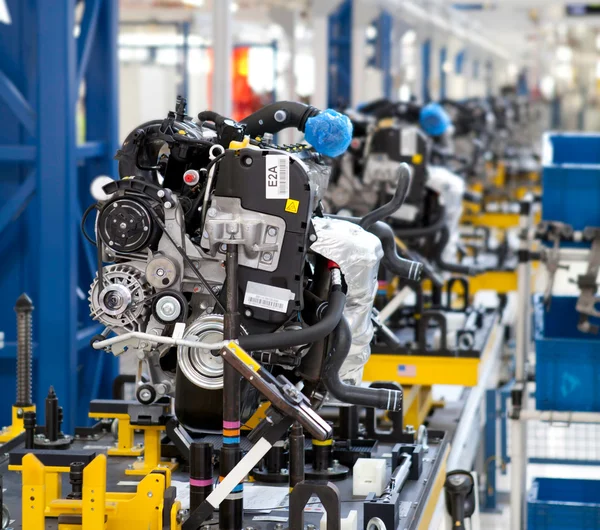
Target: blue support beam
x,y
426,70
385,24
340,56
17,203
443,73
55,200
490,454
45,178
459,62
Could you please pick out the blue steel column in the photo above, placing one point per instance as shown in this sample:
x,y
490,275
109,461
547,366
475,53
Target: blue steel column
x,y
426,70
443,74
45,179
339,87
491,458
385,24
55,202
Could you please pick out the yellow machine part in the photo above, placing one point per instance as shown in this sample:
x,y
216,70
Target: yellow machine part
x,y
125,435
16,427
99,509
417,403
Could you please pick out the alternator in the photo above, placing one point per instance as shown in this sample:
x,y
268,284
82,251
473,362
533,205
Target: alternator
x,y
122,301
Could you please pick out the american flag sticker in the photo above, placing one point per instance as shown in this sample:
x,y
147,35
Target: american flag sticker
x,y
407,370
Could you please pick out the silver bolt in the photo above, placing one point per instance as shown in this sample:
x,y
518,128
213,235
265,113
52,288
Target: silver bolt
x,y
123,226
145,394
278,526
145,229
247,161
160,272
336,463
161,389
312,237
160,193
280,116
211,212
168,205
223,247
168,308
272,231
267,256
149,494
248,313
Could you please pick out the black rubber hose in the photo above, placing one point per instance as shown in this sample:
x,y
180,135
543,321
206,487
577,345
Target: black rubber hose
x,y
411,270
289,339
425,231
404,180
455,268
277,117
378,398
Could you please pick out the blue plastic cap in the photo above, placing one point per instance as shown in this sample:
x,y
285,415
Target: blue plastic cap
x,y
330,132
434,119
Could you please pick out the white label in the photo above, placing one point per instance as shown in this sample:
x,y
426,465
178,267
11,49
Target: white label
x,y
408,142
277,181
267,297
270,518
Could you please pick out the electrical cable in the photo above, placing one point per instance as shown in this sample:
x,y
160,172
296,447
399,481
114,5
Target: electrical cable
x,y
83,220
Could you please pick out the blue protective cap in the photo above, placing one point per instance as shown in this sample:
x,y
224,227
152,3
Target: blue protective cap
x,y
434,119
329,132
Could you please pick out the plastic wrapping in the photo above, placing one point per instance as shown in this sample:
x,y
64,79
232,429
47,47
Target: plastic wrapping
x,y
434,119
318,174
358,254
451,187
329,132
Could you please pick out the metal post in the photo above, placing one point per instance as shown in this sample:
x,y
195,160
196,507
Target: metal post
x,y
518,453
296,455
24,309
231,509
222,48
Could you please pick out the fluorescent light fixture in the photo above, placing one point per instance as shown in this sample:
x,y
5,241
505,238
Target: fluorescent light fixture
x,y
194,3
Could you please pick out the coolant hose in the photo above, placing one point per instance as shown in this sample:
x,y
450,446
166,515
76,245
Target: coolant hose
x,y
455,268
379,398
314,333
279,116
404,179
411,270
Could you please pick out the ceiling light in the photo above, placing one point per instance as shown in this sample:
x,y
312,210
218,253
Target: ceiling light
x,y
194,3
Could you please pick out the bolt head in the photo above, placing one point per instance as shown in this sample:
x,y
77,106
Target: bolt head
x,y
160,193
272,231
223,247
149,494
168,205
267,256
211,212
312,237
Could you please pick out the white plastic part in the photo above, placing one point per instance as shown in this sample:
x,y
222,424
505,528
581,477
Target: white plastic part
x,y
347,523
369,476
96,186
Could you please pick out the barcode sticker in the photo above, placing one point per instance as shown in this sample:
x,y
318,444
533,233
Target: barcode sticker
x,y
277,181
267,297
